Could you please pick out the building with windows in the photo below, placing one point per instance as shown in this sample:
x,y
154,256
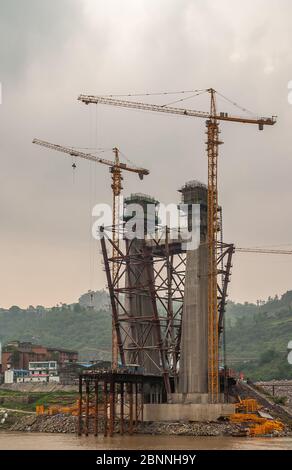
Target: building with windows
x,y
46,371
14,375
17,355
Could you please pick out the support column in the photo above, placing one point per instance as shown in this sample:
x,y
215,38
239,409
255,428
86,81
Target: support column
x,y
194,342
136,405
122,410
130,408
142,402
87,409
105,403
80,408
96,409
112,408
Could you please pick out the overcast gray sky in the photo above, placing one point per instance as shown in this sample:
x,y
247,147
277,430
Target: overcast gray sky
x,y
52,50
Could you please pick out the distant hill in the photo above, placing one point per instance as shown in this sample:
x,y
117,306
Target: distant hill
x,y
257,335
85,329
97,300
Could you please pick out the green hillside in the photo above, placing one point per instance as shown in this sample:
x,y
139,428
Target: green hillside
x,y
73,327
257,336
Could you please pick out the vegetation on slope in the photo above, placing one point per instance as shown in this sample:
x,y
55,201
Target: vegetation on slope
x,y
72,327
257,335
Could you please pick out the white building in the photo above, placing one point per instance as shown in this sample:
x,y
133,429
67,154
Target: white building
x,y
9,376
13,375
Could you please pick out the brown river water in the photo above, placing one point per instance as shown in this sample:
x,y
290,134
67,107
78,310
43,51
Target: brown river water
x,y
41,441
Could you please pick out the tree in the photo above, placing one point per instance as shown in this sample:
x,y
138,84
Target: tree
x,y
15,309
77,308
267,356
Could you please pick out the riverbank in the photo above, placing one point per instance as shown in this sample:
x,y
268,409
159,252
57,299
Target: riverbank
x,y
36,387
68,424
64,424
16,398
20,406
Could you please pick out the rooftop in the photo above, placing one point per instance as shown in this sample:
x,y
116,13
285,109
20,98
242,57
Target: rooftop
x,y
141,197
192,185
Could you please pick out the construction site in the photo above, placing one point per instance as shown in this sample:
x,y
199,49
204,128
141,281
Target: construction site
x,y
167,301
146,263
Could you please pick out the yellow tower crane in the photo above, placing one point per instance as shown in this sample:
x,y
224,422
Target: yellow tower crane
x,y
212,122
116,168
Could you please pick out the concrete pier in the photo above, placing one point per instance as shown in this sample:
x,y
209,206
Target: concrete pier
x,y
194,341
186,412
143,350
193,374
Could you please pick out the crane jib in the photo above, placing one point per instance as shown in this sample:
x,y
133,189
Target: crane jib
x,y
260,121
87,156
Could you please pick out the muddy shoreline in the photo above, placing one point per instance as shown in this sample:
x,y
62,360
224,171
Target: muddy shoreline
x,y
68,424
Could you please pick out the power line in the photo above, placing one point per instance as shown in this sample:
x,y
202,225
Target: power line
x,y
184,99
160,93
236,104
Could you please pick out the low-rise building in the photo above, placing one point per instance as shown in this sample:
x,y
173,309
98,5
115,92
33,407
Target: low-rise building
x,y
14,375
17,355
43,372
37,372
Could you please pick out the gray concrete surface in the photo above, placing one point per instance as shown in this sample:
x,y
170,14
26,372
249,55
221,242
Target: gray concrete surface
x,y
193,377
186,412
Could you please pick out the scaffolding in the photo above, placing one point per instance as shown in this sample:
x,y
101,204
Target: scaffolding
x,y
113,400
151,276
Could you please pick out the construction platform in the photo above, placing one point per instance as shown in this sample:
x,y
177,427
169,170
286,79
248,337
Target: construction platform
x,y
117,401
113,400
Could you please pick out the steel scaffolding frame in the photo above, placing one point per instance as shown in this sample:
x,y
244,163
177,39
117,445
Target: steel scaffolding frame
x,y
110,401
162,262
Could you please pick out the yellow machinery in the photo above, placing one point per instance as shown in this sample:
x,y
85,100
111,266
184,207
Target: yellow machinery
x,y
268,427
246,418
248,406
70,409
40,410
256,425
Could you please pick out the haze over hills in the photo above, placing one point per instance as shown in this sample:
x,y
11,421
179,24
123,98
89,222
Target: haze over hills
x,y
84,326
257,335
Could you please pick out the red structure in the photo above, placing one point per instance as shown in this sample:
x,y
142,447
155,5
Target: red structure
x,y
150,277
18,354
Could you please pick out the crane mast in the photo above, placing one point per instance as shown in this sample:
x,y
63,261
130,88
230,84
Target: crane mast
x,y
212,214
116,189
212,123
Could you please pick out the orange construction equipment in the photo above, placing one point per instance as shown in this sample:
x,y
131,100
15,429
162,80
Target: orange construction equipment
x,y
255,424
268,427
246,418
70,409
248,405
40,410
